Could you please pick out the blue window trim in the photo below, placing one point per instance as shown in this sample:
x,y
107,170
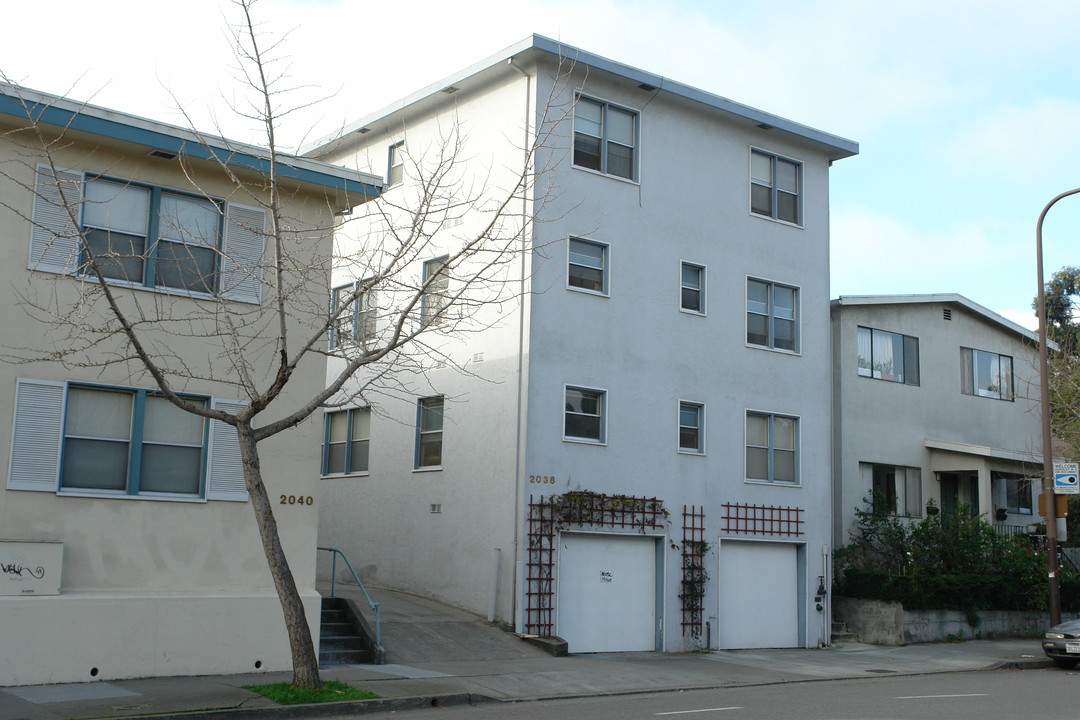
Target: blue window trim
x,y
350,414
138,411
153,227
699,407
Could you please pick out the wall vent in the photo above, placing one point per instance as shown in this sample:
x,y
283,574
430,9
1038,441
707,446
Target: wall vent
x,y
436,508
946,313
163,154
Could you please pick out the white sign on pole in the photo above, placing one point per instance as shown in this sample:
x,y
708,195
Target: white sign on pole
x,y
1067,478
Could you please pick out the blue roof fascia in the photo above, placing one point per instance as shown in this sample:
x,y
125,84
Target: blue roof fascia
x,y
51,114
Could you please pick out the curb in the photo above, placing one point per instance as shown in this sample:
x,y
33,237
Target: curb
x,y
330,709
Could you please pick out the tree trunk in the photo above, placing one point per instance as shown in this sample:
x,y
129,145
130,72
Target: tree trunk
x,y
305,663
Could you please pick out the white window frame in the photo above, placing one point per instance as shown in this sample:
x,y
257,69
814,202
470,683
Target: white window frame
x,y
772,314
772,187
700,289
605,266
605,141
601,415
772,449
700,428
395,164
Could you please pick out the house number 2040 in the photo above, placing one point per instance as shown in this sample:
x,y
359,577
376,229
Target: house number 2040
x,y
297,500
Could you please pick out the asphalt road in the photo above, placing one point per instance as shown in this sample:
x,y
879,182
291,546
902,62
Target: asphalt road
x,y
986,695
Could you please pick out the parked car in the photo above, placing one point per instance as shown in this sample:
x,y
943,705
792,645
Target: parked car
x,y
1062,644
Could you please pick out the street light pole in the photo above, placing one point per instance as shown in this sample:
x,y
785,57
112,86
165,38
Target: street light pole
x,y
1048,450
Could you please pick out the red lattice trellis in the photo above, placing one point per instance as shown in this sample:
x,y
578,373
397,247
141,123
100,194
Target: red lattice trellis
x,y
548,514
762,519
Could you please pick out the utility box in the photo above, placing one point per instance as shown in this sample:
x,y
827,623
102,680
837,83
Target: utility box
x,y
30,567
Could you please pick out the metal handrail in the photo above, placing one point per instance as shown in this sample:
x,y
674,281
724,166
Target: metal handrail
x,y
333,581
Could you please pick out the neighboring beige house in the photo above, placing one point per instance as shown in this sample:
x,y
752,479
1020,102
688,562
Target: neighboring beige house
x,y
935,400
127,545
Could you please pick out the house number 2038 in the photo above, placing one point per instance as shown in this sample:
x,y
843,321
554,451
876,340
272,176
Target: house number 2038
x,y
542,479
297,500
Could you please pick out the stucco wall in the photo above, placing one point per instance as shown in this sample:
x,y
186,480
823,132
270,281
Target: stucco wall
x,y
152,586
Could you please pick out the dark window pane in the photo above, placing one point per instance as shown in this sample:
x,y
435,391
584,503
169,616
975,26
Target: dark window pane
x,y
583,426
358,460
171,469
761,200
784,338
587,152
118,256
691,300
335,458
787,207
184,266
95,464
688,438
431,450
587,278
757,329
620,161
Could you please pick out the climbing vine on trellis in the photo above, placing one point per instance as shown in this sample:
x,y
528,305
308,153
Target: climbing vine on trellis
x,y
577,508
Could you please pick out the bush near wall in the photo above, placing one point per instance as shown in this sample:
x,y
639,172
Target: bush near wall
x,y
946,561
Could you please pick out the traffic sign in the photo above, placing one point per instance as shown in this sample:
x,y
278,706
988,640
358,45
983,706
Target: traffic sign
x,y
1067,478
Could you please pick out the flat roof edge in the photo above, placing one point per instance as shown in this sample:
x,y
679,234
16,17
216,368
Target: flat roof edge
x,y
841,147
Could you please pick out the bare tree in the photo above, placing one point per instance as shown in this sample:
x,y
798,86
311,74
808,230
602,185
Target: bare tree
x,y
95,321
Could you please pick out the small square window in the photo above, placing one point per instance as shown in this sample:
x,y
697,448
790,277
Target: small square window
x,y
772,448
772,315
587,268
584,414
691,427
692,288
775,187
429,432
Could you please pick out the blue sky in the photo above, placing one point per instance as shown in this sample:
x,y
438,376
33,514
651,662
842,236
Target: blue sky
x,y
967,113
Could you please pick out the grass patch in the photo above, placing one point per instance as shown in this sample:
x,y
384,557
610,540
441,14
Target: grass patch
x,y
284,693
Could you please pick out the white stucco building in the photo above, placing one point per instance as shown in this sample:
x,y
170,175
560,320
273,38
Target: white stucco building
x,y
660,365
128,547
935,401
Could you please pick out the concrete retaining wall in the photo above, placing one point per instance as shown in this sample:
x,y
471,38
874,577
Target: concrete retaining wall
x,y
887,623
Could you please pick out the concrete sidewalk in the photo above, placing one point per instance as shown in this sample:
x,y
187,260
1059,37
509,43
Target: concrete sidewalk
x,y
442,656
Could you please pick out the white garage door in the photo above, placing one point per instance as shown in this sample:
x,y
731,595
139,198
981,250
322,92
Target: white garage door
x,y
607,593
759,595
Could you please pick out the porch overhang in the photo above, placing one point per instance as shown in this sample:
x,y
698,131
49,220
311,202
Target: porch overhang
x,y
985,451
